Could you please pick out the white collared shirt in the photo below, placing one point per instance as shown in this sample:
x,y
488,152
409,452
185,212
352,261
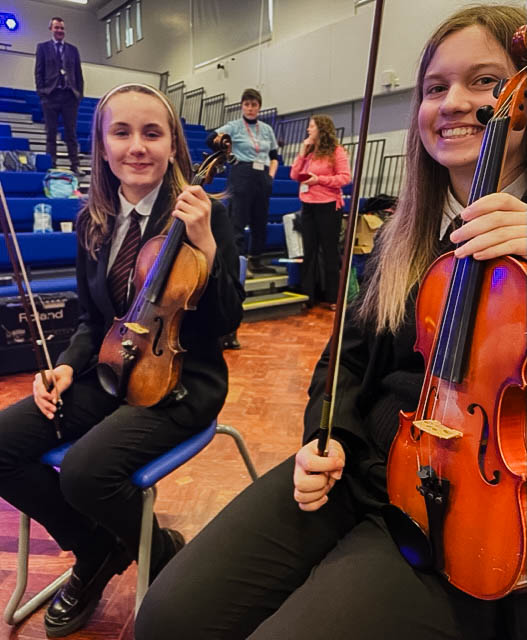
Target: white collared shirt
x,y
122,222
453,208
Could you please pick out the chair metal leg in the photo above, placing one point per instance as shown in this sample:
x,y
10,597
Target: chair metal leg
x,y
13,614
145,546
240,442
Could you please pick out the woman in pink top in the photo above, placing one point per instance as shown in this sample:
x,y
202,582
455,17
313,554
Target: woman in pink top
x,y
322,168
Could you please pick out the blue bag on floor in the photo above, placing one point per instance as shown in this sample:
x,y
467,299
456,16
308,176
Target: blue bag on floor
x,y
60,184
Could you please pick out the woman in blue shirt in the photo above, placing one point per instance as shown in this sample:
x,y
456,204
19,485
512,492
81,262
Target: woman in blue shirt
x,y
251,179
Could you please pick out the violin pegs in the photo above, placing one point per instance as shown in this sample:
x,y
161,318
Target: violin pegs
x,y
485,113
498,87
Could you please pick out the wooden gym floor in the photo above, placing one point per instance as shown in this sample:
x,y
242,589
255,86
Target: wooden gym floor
x,y
269,378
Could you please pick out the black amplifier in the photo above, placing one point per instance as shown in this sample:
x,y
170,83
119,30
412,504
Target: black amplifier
x,y
58,313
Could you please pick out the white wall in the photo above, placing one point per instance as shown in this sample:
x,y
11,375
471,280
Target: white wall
x,y
82,28
317,57
17,70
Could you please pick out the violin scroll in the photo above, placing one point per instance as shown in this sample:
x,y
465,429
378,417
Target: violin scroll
x,y
519,47
215,162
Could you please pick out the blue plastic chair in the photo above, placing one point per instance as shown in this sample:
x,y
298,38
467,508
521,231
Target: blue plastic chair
x,y
145,478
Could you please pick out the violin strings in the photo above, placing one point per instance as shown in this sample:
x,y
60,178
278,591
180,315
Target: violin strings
x,y
481,179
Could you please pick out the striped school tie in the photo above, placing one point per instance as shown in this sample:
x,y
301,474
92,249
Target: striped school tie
x,y
124,263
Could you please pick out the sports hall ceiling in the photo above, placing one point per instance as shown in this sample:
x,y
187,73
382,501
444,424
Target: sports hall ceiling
x,y
92,5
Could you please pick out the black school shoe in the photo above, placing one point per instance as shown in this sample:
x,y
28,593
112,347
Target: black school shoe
x,y
230,341
75,602
174,542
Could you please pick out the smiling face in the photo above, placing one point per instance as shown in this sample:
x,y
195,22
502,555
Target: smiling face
x,y
57,30
137,141
460,79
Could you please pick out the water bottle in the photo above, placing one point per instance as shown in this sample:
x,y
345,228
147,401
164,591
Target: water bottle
x,y
42,218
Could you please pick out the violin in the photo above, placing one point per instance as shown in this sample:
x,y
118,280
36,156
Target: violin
x,y
141,358
457,468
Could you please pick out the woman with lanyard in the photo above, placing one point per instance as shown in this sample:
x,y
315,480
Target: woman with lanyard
x,y
251,178
322,168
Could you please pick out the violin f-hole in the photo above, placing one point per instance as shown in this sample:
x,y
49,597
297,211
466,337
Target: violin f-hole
x,y
156,349
483,443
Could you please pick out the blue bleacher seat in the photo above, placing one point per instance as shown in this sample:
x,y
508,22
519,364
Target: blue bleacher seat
x,y
285,187
84,145
43,250
196,138
49,285
278,206
25,184
83,129
37,115
193,127
7,92
62,210
217,185
5,130
275,236
10,143
14,106
282,173
43,162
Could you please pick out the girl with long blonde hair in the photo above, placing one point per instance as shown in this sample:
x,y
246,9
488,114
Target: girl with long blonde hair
x,y
305,552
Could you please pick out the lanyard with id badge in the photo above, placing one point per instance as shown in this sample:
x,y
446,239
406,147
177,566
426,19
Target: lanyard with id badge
x,y
258,166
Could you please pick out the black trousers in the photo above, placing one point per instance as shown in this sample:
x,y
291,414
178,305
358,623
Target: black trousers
x,y
61,102
250,190
263,569
93,487
320,230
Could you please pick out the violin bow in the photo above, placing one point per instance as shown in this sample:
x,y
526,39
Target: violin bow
x,y
28,302
328,401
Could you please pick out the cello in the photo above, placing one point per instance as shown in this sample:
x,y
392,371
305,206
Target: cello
x,y
141,359
457,468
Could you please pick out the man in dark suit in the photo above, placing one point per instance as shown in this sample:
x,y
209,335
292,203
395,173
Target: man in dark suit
x,y
60,85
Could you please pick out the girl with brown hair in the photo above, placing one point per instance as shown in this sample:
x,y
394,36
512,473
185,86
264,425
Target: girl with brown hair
x,y
141,171
304,552
322,168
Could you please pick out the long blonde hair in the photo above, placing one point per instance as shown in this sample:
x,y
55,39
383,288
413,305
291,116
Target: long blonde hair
x,y
96,219
408,241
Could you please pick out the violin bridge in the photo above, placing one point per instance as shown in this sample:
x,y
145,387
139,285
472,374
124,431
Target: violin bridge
x,y
437,429
135,327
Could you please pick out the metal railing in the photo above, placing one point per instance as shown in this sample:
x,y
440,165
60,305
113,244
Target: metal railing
x,y
340,134
192,104
163,82
234,112
212,111
289,134
269,116
371,169
175,94
392,175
